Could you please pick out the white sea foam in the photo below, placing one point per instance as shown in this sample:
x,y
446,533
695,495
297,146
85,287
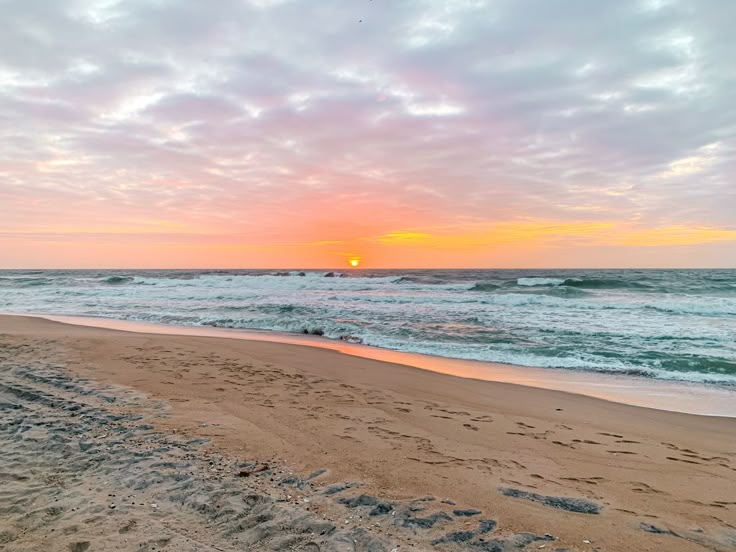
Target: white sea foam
x,y
540,281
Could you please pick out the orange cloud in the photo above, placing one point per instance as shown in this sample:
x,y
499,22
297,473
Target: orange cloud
x,y
527,243
549,233
674,235
483,236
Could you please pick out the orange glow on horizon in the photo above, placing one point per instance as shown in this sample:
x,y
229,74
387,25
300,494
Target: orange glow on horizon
x,y
676,235
526,243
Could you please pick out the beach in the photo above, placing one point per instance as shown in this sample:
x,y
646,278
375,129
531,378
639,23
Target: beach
x,y
378,276
116,440
668,325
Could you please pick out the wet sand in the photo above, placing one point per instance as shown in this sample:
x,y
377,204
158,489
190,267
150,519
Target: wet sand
x,y
262,446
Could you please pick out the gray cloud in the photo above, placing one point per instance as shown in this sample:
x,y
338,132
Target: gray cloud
x,y
461,110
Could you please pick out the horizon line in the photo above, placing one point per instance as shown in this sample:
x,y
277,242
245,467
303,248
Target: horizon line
x,y
358,269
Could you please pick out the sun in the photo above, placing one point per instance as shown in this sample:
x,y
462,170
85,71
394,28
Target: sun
x,y
354,262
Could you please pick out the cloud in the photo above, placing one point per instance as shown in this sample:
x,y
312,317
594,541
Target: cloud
x,y
556,234
486,236
675,235
311,120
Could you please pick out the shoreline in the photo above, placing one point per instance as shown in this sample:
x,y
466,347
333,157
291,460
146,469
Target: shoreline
x,y
387,456
668,395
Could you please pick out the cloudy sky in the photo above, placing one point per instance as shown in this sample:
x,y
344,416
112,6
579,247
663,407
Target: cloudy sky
x,y
276,133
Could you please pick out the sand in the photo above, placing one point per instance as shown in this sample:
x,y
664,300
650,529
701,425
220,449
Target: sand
x,y
120,441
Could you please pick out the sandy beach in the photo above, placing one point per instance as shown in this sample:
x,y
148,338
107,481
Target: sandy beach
x,y
121,441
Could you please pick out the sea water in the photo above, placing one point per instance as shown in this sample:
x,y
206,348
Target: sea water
x,y
669,324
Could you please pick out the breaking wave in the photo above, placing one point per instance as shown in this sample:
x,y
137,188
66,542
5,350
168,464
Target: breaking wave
x,y
603,283
118,280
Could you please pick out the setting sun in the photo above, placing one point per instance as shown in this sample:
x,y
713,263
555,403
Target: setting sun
x,y
354,262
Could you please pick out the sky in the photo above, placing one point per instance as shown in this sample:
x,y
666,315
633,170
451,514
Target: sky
x,y
402,133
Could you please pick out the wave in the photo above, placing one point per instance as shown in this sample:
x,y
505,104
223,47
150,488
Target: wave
x,y
603,283
716,371
344,331
303,274
540,281
484,286
117,280
583,283
422,279
534,289
27,282
312,280
563,292
709,308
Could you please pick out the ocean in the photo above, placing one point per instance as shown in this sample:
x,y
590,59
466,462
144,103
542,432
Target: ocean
x,y
667,324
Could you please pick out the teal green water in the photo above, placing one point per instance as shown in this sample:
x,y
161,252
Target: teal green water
x,y
672,324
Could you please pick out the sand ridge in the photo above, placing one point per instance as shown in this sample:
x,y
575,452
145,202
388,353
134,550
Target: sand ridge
x,y
659,480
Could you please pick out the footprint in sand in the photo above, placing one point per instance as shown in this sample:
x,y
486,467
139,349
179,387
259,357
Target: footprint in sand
x,y
683,460
641,487
586,480
130,526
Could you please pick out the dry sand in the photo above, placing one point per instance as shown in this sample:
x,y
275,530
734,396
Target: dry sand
x,y
121,441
